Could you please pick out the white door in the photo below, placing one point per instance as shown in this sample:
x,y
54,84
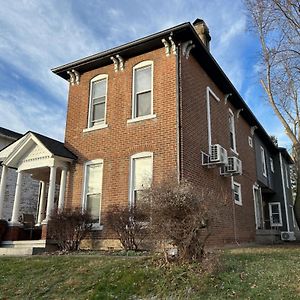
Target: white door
x,y
259,221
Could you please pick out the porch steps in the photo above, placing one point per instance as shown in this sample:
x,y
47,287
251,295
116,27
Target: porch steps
x,y
22,248
268,236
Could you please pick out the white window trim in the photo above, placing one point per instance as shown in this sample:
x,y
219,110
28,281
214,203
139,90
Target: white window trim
x,y
104,124
131,175
263,160
83,201
280,214
133,101
234,135
271,164
233,183
209,92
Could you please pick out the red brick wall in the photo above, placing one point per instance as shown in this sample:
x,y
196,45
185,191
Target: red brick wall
x,y
120,140
195,139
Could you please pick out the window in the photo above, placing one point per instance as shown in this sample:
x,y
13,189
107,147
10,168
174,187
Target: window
x,y
232,131
271,164
141,175
250,141
142,90
287,170
263,161
275,214
93,189
237,192
98,98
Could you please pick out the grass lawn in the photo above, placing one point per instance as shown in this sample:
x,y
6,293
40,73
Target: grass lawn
x,y
248,273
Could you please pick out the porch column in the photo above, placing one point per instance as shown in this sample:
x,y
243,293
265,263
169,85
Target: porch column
x,y
51,193
2,188
62,189
17,201
42,204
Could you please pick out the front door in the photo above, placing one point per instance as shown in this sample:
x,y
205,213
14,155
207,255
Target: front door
x,y
259,219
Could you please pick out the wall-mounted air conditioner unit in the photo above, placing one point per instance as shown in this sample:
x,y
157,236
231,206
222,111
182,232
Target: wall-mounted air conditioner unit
x,y
218,154
288,236
233,167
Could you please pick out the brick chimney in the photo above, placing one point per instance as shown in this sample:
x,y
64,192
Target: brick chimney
x,y
203,32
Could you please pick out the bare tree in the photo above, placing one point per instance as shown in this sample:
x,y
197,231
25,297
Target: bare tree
x,y
277,23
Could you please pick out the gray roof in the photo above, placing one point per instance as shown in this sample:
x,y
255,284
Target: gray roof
x,y
10,134
56,147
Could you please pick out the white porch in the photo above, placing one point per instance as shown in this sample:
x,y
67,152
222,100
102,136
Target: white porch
x,y
48,161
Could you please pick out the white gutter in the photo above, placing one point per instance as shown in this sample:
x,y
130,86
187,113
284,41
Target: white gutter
x,y
284,193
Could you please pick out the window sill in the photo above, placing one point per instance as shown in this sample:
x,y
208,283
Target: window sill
x,y
96,127
238,203
138,119
96,227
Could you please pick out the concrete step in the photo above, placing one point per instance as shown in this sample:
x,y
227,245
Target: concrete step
x,y
22,244
16,251
21,248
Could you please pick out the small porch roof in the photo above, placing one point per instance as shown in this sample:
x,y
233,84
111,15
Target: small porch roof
x,y
34,150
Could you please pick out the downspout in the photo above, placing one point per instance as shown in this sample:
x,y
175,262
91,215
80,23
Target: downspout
x,y
178,112
284,194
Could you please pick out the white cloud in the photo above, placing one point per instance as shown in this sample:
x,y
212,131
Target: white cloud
x,y
22,113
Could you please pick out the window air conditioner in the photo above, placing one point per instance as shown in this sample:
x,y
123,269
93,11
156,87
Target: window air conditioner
x,y
288,236
218,155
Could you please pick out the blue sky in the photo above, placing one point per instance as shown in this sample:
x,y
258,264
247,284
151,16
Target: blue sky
x,y
36,36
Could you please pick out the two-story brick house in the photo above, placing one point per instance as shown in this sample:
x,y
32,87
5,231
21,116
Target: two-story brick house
x,y
149,109
156,108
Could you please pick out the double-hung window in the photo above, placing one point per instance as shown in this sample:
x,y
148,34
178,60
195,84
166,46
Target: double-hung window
x,y
142,90
141,175
98,98
263,161
237,192
93,189
275,214
232,131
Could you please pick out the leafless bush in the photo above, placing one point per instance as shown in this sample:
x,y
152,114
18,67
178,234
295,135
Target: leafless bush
x,y
181,215
130,224
69,227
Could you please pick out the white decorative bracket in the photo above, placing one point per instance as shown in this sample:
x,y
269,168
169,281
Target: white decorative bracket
x,y
74,77
187,47
173,45
116,63
167,46
227,96
77,76
239,112
121,62
252,129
